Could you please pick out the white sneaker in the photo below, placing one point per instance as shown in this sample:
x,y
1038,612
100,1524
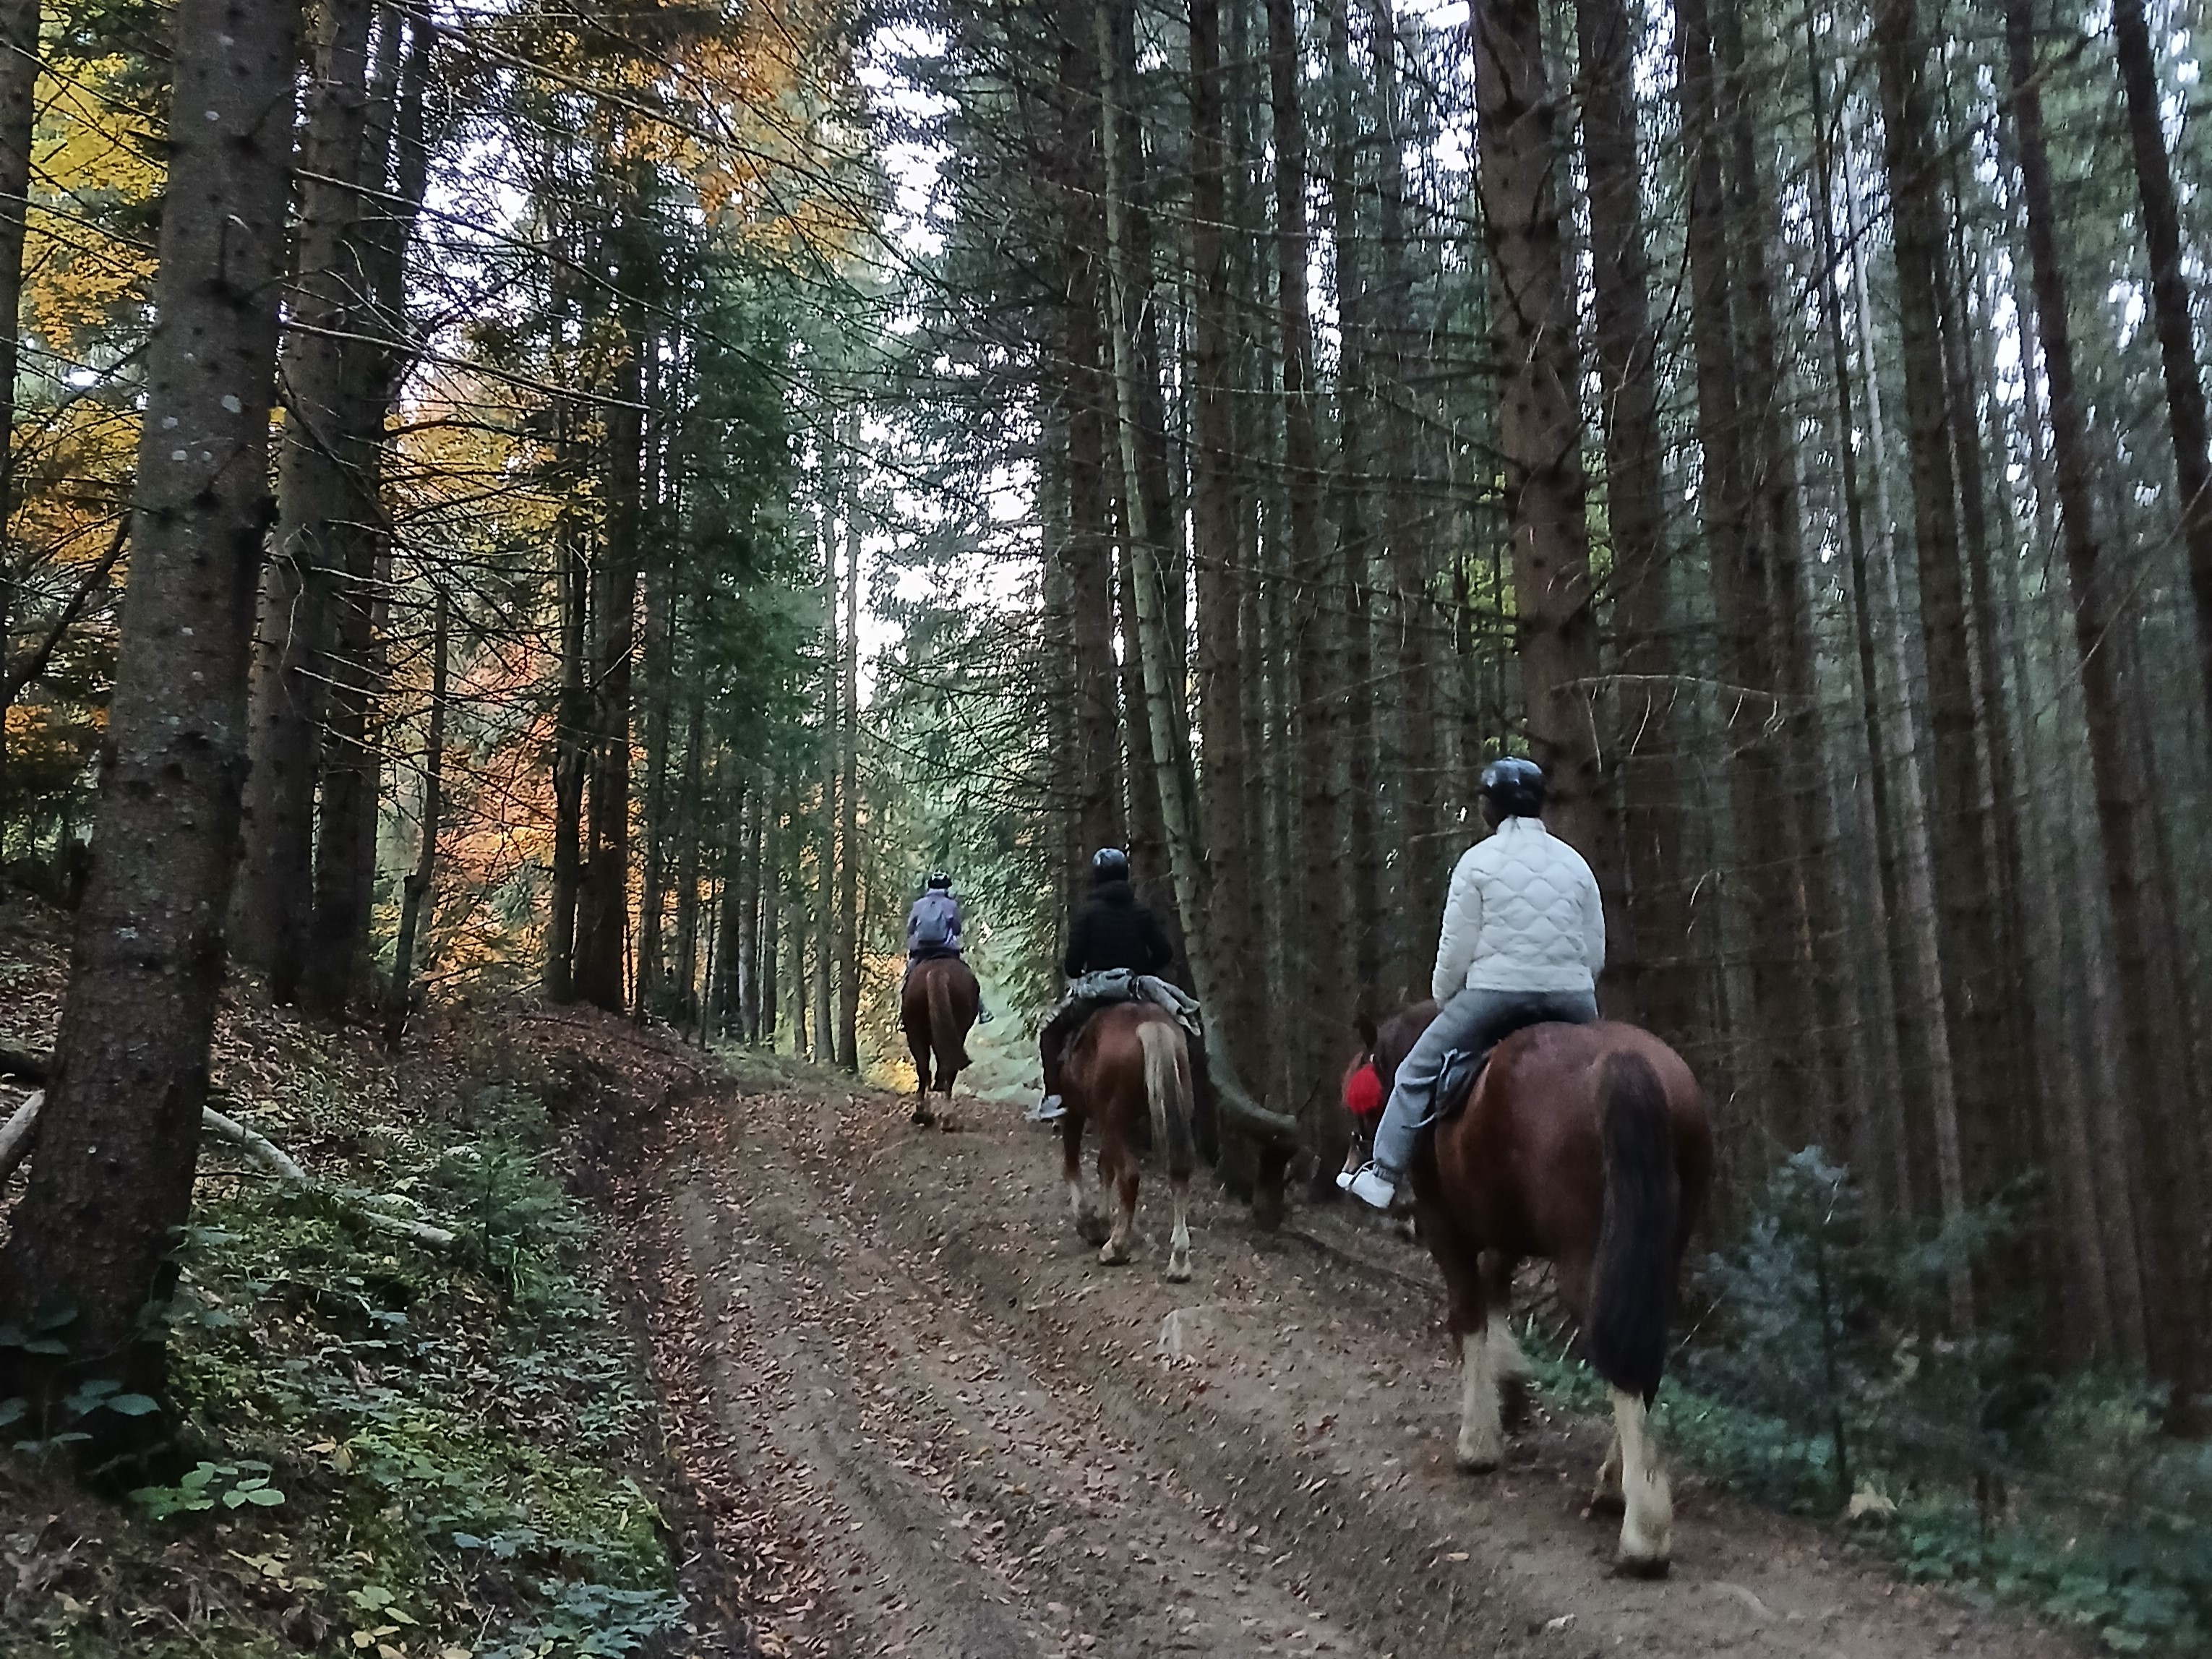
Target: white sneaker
x,y
1370,1186
1344,1180
1047,1110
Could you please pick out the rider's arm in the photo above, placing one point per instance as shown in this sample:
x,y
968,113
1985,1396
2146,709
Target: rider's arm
x,y
959,925
1462,926
1078,949
913,914
1593,924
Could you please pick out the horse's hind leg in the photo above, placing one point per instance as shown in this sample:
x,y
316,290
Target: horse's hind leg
x,y
1089,1225
1179,1241
921,1113
1646,1524
1117,1169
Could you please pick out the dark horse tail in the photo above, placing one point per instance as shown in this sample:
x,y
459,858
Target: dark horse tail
x,y
1633,1291
945,1035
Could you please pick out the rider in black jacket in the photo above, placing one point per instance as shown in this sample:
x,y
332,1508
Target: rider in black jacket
x,y
1111,930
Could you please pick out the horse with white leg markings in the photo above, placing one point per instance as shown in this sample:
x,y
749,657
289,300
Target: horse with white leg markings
x,y
1590,1146
1129,1064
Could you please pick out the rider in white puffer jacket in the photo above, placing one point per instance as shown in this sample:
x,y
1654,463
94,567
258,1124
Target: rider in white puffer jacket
x,y
1522,941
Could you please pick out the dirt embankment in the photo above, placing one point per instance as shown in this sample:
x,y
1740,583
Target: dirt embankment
x,y
947,1431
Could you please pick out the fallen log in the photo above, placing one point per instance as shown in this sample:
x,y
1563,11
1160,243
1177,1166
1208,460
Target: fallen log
x,y
15,1143
16,1133
1256,1119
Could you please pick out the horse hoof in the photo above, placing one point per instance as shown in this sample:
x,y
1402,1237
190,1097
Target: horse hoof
x,y
1178,1273
1112,1257
1603,1502
1477,1462
1640,1566
1091,1232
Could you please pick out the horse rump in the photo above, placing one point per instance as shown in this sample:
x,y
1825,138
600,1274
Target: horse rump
x,y
1632,1290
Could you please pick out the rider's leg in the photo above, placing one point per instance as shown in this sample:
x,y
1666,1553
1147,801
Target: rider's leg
x,y
1052,1044
1465,1023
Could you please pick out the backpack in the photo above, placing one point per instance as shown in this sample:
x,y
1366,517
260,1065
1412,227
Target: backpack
x,y
932,922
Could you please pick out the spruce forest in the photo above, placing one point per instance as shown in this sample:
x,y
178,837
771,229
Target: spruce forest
x,y
528,533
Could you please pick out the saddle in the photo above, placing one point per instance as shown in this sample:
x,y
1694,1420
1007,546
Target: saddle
x,y
1455,1079
1462,1070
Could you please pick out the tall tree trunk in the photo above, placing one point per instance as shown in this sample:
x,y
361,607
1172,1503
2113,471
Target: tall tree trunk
x,y
345,849
2172,1265
2169,305
1089,545
1738,554
1171,774
767,877
1884,1163
692,835
1625,348
119,1139
848,794
415,896
1812,943
1357,843
603,895
570,758
1533,329
732,988
825,897
1218,553
1325,999
1973,972
319,484
2020,1091
659,720
18,112
1399,329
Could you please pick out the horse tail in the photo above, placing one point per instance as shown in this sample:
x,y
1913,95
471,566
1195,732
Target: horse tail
x,y
944,1036
1167,1088
1633,1289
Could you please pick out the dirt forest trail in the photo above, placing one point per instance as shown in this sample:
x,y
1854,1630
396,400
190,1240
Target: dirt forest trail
x,y
956,1434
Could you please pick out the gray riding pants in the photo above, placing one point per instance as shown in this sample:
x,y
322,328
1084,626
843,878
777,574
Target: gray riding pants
x,y
1473,1022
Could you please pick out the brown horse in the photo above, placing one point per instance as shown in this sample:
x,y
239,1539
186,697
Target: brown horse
x,y
1590,1146
1129,1063
937,1011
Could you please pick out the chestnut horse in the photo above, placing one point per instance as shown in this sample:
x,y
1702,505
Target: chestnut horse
x,y
936,1011
1590,1146
1129,1064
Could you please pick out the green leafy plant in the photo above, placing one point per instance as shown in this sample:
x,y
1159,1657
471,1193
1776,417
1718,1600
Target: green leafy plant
x,y
231,1485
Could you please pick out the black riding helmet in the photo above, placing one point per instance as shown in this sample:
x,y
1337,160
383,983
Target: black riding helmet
x,y
1514,787
940,882
1109,864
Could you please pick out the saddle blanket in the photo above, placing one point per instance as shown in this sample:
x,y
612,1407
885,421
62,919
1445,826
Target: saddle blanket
x,y
1103,990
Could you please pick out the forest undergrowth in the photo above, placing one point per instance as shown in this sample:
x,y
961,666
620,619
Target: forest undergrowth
x,y
1807,1379
386,1448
